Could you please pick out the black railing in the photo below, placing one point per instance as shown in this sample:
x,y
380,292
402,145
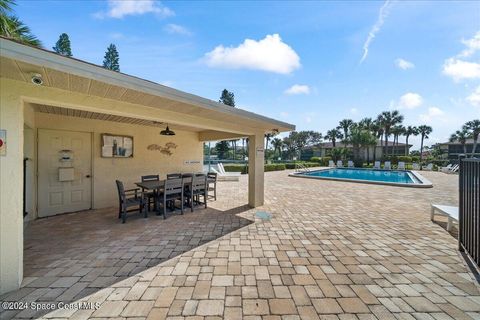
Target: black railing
x,y
469,219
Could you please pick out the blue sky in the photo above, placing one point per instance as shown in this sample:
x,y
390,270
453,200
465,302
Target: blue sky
x,y
307,63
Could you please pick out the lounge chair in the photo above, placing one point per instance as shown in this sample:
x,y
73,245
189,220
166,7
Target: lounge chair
x,y
401,165
446,211
428,167
339,164
450,168
222,175
447,168
376,165
455,169
331,164
350,164
387,165
415,166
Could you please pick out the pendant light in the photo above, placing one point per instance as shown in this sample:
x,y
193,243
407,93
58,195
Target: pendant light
x,y
167,132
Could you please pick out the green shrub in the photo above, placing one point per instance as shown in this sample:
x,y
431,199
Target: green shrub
x,y
415,158
274,167
235,168
316,159
325,161
406,159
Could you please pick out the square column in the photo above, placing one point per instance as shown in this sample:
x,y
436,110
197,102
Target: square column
x,y
255,170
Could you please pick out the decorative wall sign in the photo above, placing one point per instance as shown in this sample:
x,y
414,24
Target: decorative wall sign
x,y
3,142
167,150
116,146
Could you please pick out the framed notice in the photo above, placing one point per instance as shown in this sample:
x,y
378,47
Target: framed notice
x,y
3,142
117,146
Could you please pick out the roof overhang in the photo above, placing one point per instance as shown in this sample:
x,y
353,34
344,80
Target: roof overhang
x,y
19,61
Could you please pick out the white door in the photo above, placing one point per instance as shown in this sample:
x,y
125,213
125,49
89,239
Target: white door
x,y
68,189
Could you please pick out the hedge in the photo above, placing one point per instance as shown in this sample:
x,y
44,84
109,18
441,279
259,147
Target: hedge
x,y
268,167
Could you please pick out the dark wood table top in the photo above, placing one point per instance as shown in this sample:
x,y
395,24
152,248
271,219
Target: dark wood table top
x,y
158,184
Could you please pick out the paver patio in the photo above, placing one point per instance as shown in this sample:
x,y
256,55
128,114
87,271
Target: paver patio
x,y
332,250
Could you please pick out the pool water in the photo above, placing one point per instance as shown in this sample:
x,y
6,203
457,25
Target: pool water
x,y
402,177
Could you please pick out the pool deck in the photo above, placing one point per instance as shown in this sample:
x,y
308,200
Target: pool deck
x,y
332,251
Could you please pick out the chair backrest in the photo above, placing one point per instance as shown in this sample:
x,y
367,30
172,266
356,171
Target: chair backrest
x,y
187,175
120,190
430,166
221,168
387,165
454,168
415,166
174,176
212,175
350,163
151,177
187,179
377,164
173,186
199,183
401,165
339,163
331,163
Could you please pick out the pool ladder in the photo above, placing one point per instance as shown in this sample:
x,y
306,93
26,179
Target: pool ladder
x,y
299,167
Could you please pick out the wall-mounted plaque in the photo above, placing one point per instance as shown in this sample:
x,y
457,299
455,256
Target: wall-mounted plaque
x,y
117,146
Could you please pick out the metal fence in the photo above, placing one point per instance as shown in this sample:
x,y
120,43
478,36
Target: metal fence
x,y
469,219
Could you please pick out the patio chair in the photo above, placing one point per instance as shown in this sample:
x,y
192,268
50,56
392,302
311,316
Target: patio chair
x,y
331,164
174,176
172,191
376,165
222,175
454,169
339,164
212,184
401,165
450,168
447,211
150,194
415,166
428,167
199,188
350,164
129,198
387,165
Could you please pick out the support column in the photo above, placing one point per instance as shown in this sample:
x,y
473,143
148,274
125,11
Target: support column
x,y
255,170
11,192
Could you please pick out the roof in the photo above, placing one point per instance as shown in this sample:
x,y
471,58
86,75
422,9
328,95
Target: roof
x,y
67,73
468,141
340,144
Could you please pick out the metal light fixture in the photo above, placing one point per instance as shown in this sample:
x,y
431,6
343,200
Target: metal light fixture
x,y
167,132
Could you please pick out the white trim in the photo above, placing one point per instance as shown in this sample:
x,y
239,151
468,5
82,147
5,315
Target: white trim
x,y
13,50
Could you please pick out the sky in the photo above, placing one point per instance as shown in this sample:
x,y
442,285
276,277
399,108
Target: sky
x,y
309,63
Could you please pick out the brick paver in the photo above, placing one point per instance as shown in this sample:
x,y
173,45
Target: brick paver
x,y
332,250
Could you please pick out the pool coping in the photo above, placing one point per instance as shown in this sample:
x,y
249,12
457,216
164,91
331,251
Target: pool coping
x,y
424,183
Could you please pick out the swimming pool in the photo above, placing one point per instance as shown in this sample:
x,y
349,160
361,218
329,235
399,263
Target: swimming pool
x,y
388,177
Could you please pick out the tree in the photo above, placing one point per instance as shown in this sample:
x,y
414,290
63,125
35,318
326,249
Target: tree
x,y
296,141
461,136
389,119
269,136
397,131
227,98
473,127
333,135
111,59
366,124
12,27
360,138
63,45
277,144
409,131
345,125
222,149
424,131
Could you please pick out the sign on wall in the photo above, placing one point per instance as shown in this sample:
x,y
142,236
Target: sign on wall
x,y
3,142
117,146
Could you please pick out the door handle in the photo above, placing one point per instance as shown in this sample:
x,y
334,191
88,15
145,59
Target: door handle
x,y
87,176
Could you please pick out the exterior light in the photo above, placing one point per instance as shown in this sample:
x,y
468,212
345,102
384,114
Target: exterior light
x,y
167,132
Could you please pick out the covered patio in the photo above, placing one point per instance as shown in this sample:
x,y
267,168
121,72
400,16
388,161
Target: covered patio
x,y
56,111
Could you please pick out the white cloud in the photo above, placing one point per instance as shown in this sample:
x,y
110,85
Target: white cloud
x,y
298,89
404,64
473,45
410,100
268,54
382,15
433,114
459,69
353,110
177,29
474,98
121,8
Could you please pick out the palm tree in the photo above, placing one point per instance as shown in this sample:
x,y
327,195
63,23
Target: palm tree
x,y
473,127
377,130
11,27
397,131
424,131
333,135
360,138
366,124
389,119
409,131
345,125
461,136
277,144
269,136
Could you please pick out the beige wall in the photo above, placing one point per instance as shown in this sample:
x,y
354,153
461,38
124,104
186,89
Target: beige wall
x,y
11,193
107,170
